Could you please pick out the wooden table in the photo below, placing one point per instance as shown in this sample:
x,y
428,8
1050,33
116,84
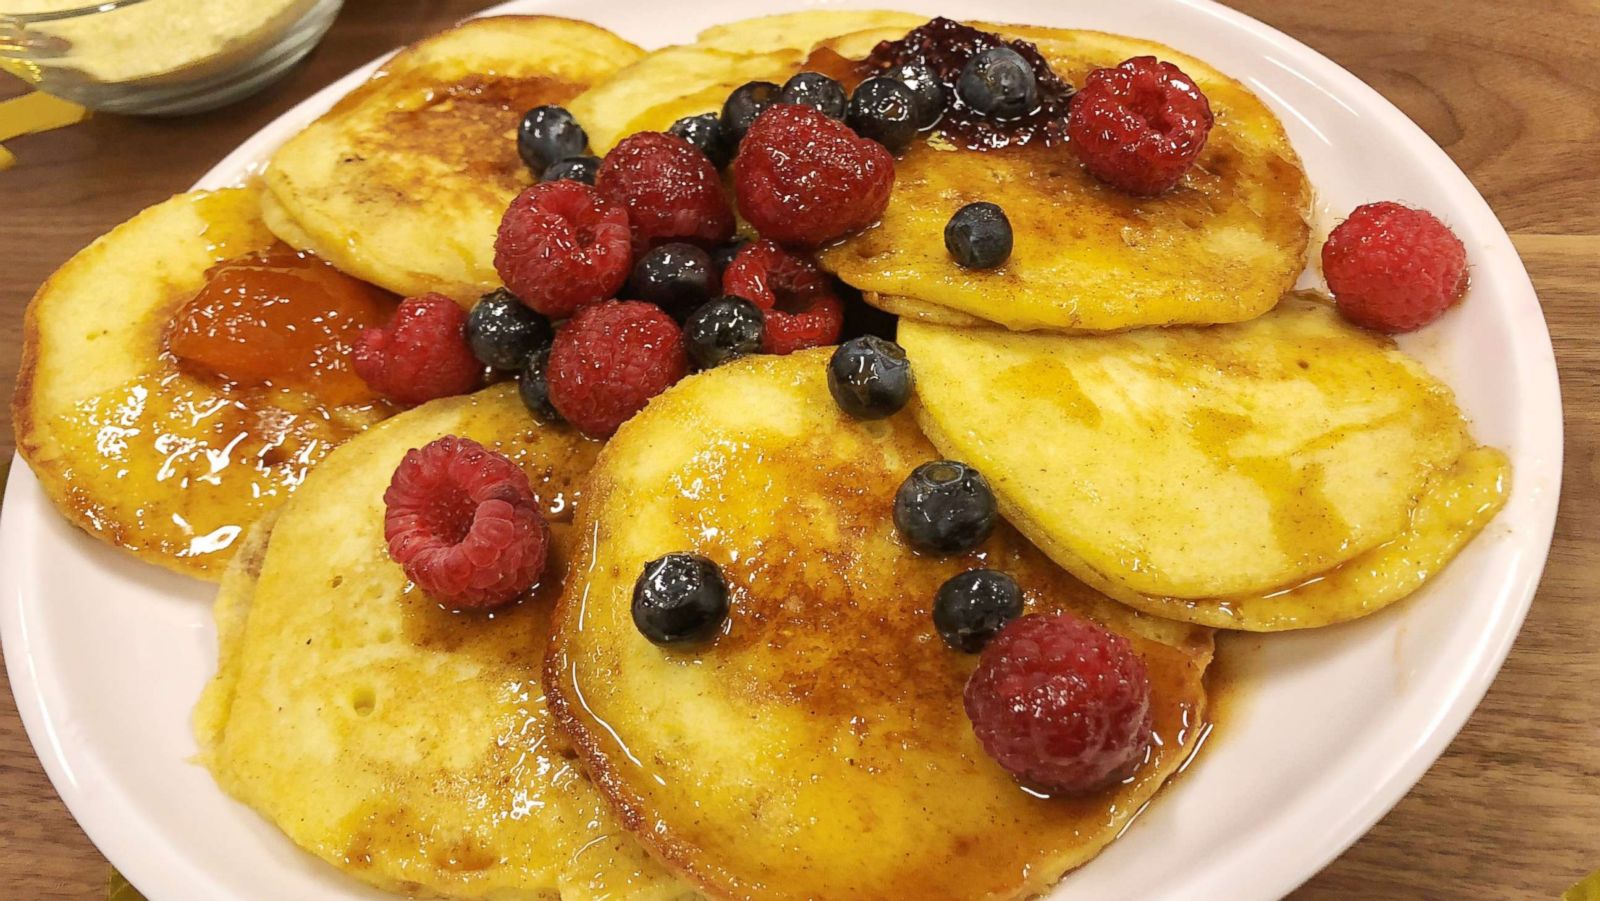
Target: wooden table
x,y
1512,810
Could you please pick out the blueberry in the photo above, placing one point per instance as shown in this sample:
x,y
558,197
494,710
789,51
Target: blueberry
x,y
705,132
925,88
945,507
885,111
743,106
535,388
971,607
675,277
549,134
573,168
723,256
724,329
502,331
998,82
680,598
978,236
817,91
869,378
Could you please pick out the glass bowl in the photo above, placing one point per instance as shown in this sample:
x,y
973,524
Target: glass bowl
x,y
159,57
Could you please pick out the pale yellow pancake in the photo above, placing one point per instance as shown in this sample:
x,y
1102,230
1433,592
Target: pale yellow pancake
x,y
408,745
1221,247
404,181
817,747
1216,468
135,450
690,79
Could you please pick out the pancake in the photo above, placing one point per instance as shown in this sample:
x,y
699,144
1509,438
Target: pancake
x,y
140,452
803,30
690,79
1205,473
404,181
405,744
1221,247
817,748
1455,506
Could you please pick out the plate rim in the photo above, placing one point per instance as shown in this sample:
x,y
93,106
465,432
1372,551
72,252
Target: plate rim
x,y
176,875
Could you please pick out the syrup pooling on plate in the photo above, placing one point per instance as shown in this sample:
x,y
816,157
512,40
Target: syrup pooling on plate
x,y
829,708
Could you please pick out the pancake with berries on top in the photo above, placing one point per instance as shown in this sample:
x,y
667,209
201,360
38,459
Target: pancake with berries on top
x,y
764,652
377,694
1139,186
403,181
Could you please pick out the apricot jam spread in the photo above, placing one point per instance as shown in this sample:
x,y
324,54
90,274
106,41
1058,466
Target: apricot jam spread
x,y
279,318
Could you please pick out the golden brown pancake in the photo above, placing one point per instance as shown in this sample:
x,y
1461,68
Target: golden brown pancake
x,y
142,452
817,747
403,743
1221,247
1286,472
404,181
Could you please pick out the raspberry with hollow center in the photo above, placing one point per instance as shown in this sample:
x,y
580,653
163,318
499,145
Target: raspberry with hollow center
x,y
562,246
671,190
463,523
801,307
803,179
1394,268
609,360
421,354
1139,125
1061,703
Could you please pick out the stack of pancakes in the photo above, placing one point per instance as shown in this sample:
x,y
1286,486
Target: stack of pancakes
x,y
1175,444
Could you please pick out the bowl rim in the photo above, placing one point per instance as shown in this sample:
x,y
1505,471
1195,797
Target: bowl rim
x,y
59,15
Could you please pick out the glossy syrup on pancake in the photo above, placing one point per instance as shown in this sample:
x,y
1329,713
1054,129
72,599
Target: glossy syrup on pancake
x,y
817,748
172,458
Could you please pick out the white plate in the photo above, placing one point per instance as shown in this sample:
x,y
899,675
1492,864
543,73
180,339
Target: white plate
x,y
106,655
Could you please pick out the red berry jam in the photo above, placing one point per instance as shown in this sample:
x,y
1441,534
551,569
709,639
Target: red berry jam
x,y
944,46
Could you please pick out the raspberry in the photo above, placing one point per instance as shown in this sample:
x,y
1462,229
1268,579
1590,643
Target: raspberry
x,y
671,190
1062,704
562,246
802,310
1139,125
804,179
422,353
463,522
1393,268
609,360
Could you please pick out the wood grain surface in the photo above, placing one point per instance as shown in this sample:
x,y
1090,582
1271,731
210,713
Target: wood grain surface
x,y
1512,809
